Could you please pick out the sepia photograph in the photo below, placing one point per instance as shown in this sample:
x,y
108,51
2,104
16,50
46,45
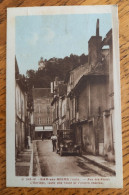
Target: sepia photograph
x,y
64,109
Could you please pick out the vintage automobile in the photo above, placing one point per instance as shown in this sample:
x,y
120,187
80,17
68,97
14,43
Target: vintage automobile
x,y
66,143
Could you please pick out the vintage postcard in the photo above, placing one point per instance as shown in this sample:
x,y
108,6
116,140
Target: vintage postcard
x,y
63,97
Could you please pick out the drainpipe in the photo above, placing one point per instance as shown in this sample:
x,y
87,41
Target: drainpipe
x,y
89,98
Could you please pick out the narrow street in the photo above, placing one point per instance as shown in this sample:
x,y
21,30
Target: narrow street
x,y
52,164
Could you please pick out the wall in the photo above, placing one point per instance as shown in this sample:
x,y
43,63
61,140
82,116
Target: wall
x,y
88,137
93,97
78,134
108,116
98,95
75,76
20,105
92,103
20,102
108,136
83,102
111,84
42,111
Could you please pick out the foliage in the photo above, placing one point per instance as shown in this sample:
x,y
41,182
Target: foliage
x,y
54,67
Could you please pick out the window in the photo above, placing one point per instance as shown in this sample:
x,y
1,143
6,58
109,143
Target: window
x,y
48,120
48,110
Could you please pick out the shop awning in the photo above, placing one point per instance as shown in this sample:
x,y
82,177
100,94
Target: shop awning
x,y
44,128
48,128
39,128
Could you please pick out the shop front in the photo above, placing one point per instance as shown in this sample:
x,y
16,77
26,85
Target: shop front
x,y
43,132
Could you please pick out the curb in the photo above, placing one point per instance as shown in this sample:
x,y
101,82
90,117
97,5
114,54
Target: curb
x,y
31,164
38,168
100,165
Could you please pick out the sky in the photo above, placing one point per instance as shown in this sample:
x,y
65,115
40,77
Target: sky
x,y
57,36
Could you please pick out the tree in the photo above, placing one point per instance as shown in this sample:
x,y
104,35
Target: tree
x,y
30,73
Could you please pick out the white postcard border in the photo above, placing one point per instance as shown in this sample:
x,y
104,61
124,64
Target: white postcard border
x,y
15,181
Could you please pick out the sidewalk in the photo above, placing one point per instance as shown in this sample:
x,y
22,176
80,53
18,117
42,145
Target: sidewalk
x,y
36,165
101,162
24,162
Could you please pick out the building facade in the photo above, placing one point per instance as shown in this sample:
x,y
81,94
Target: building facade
x,y
20,113
41,64
91,99
108,115
42,113
60,105
87,106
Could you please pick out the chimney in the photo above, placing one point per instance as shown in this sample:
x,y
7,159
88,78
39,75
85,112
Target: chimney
x,y
97,28
94,48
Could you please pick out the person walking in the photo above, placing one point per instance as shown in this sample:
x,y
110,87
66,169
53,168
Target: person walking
x,y
42,137
54,139
28,142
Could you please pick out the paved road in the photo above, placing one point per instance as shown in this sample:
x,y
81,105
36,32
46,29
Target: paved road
x,y
53,164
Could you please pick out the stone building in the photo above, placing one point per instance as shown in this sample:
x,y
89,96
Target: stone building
x,y
88,100
42,113
90,91
87,106
41,64
20,112
59,105
108,115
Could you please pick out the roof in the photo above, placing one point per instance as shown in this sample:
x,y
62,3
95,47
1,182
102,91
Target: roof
x,y
86,65
107,39
41,92
83,79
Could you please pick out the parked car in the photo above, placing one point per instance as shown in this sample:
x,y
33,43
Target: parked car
x,y
66,143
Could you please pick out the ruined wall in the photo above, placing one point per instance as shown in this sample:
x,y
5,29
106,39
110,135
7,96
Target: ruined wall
x,y
98,95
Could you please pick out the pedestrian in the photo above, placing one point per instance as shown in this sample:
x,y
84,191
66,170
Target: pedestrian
x,y
28,142
54,139
42,137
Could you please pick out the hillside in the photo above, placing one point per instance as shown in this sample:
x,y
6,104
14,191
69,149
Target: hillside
x,y
54,67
